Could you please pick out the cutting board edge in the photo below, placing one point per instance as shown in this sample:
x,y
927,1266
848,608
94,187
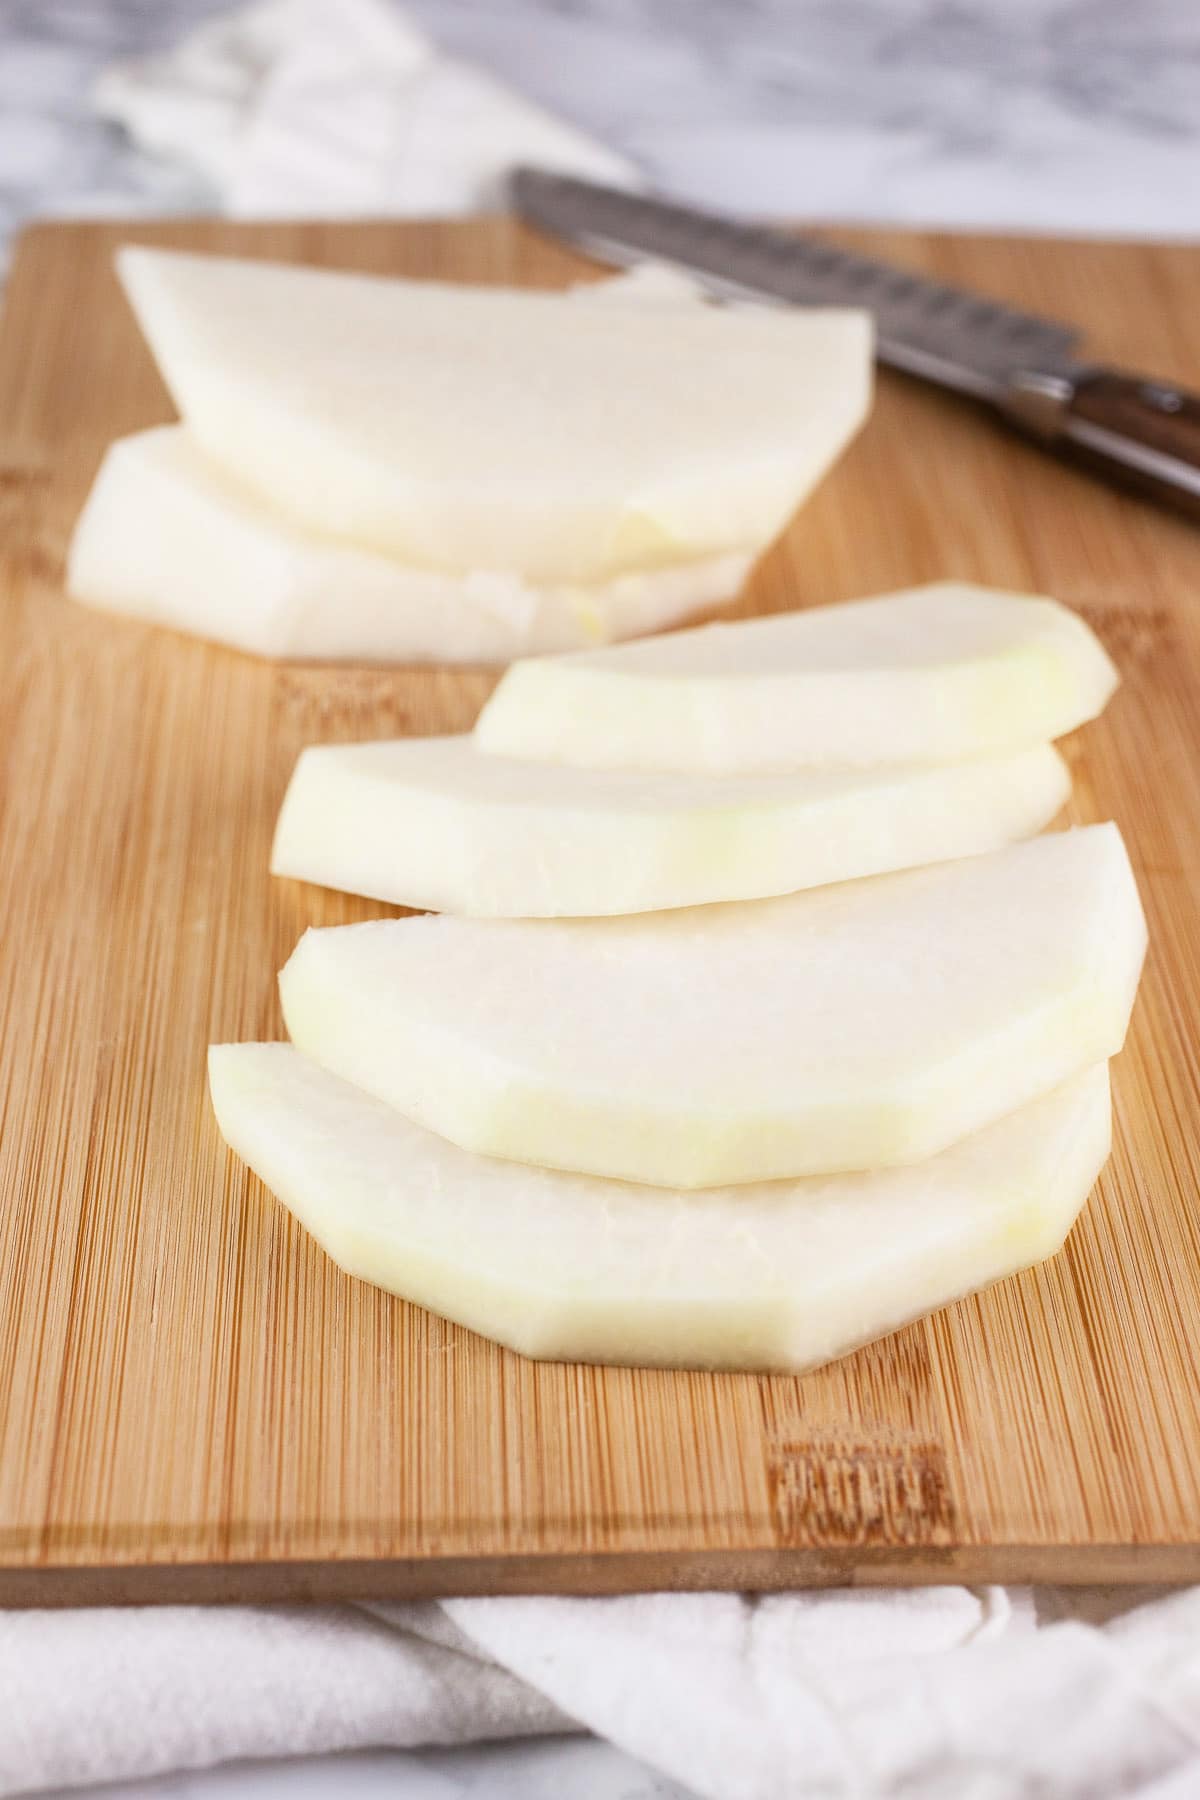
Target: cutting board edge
x,y
619,1572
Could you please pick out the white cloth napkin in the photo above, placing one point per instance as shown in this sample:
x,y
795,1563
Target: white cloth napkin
x,y
305,108
296,107
932,1694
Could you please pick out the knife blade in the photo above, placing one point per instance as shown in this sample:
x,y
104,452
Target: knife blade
x,y
1143,432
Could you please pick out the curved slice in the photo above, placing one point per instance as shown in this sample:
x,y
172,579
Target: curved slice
x,y
929,674
165,537
850,1027
430,822
457,426
780,1276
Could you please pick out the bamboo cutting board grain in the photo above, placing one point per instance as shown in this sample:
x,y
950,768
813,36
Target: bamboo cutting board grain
x,y
195,1403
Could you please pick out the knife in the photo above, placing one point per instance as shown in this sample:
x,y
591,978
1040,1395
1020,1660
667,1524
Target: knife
x,y
1127,427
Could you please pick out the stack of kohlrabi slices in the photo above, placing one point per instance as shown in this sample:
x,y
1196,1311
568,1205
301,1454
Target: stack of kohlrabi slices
x,y
403,471
756,1020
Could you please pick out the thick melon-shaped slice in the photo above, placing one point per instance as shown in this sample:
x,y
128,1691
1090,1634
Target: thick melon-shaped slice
x,y
929,674
468,427
849,1027
433,822
167,537
776,1276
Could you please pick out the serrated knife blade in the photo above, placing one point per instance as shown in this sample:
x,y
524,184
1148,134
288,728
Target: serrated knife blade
x,y
1145,433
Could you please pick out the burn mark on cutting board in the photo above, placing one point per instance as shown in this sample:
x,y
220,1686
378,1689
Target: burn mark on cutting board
x,y
853,1452
853,1487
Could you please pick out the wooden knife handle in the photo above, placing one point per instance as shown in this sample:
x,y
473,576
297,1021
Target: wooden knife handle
x,y
1145,434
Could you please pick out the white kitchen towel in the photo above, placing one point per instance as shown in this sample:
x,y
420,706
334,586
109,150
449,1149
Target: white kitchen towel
x,y
930,1694
295,108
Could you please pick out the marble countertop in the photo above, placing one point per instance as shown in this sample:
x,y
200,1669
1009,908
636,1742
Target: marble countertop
x,y
1063,115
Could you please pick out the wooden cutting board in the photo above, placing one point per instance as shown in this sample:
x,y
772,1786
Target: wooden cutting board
x,y
195,1403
